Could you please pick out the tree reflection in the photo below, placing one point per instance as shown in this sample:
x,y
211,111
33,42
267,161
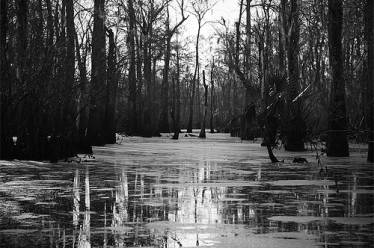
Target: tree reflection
x,y
120,210
178,203
76,199
352,206
85,232
195,204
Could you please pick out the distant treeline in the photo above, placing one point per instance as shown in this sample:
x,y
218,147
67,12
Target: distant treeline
x,y
73,73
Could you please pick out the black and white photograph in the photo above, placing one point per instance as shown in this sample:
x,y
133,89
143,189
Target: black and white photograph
x,y
186,123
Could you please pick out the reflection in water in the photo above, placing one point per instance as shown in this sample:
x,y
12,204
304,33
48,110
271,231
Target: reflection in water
x,y
120,210
353,197
258,178
84,232
76,199
87,190
325,209
197,205
105,241
179,200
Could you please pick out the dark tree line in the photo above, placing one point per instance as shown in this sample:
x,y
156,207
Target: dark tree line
x,y
308,64
74,73
369,36
47,112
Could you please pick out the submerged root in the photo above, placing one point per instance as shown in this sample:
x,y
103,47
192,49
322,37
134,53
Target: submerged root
x,y
271,155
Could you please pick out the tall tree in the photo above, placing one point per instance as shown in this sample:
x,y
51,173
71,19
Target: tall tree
x,y
3,37
369,33
21,39
83,101
177,111
111,92
200,8
212,98
150,13
133,126
69,110
295,127
245,75
164,117
26,128
337,143
5,86
203,121
267,65
282,36
98,76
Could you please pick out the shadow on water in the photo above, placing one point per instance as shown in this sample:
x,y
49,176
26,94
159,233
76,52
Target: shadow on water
x,y
187,193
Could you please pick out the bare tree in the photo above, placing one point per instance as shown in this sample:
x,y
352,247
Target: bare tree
x,y
337,144
133,125
149,12
203,122
295,127
199,9
98,77
177,111
212,97
369,33
69,111
111,92
164,120
83,101
245,75
5,85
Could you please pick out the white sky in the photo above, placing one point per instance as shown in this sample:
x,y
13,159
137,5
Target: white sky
x,y
228,9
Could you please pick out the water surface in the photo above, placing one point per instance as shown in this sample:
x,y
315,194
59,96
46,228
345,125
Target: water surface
x,y
158,192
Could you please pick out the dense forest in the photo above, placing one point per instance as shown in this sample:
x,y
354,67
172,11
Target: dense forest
x,y
75,72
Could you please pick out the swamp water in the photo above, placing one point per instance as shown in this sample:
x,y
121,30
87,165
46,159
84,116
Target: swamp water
x,y
158,192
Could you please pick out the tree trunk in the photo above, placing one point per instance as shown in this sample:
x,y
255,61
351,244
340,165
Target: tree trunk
x,y
61,29
247,65
148,115
173,103
133,129
272,157
111,93
370,76
139,81
212,98
282,38
177,100
202,131
83,107
50,31
337,144
267,55
248,121
49,65
69,110
246,125
198,99
26,130
3,33
190,118
164,117
260,67
21,39
233,97
295,130
98,77
5,85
